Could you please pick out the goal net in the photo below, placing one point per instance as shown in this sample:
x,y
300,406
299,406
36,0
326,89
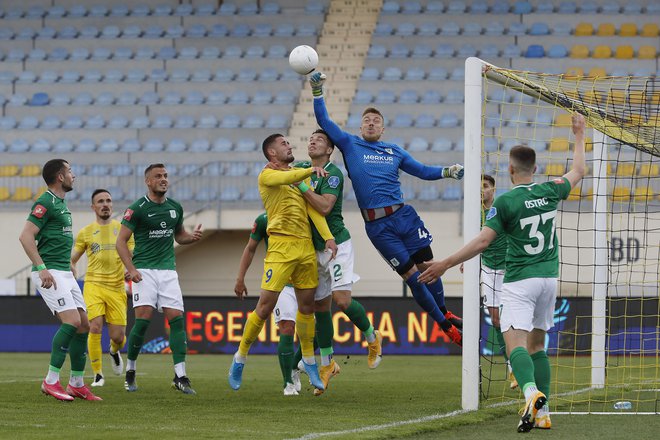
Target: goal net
x,y
605,345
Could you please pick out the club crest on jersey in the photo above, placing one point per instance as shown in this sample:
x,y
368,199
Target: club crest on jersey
x,y
492,212
333,182
172,213
128,214
389,150
558,180
39,211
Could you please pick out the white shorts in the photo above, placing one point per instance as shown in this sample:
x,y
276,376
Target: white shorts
x,y
158,289
491,286
335,274
286,308
67,296
528,304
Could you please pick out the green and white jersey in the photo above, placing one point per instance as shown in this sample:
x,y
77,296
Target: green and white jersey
x,y
333,184
259,228
527,215
55,237
495,254
154,226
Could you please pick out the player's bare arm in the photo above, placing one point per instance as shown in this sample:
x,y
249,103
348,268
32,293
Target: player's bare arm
x,y
28,241
184,237
323,203
75,256
470,250
125,254
246,260
579,168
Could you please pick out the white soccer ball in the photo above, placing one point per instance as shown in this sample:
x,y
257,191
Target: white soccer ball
x,y
303,59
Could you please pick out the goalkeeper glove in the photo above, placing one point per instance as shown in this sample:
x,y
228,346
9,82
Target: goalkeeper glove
x,y
316,81
454,171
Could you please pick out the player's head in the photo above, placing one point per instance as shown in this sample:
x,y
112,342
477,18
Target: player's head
x,y
320,145
373,124
155,177
102,203
58,172
522,161
487,188
277,149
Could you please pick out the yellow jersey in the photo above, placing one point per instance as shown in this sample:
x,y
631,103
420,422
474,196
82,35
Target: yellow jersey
x,y
103,263
288,212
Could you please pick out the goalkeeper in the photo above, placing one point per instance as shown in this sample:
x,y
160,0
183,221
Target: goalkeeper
x,y
394,228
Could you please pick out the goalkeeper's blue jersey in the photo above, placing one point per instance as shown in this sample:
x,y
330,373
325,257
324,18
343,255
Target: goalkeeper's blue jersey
x,y
373,167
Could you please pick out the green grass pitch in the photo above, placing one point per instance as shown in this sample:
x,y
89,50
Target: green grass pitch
x,y
406,397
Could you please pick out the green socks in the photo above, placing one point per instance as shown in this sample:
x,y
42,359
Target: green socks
x,y
500,342
78,353
324,333
358,317
522,366
542,371
178,343
61,343
136,338
286,355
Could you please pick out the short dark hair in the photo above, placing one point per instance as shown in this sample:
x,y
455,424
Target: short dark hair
x,y
372,110
268,142
324,133
151,167
523,158
99,191
51,169
488,178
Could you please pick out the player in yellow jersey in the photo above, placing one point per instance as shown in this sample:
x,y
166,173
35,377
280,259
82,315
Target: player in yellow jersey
x,y
291,257
104,291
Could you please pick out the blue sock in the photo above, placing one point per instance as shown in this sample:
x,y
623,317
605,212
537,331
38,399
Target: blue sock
x,y
438,292
424,298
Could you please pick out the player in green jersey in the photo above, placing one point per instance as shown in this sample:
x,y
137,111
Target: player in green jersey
x,y
285,310
155,221
336,277
47,239
526,216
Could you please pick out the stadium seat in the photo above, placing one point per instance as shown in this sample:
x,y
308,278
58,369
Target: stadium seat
x,y
558,144
539,28
444,50
21,194
535,51
448,120
392,74
130,146
555,169
574,72
18,146
650,30
424,121
175,145
9,170
625,169
431,97
427,29
452,193
494,29
606,30
624,52
628,30
517,29
567,8
117,122
647,52
621,194
450,29
602,52
385,97
579,51
584,30
589,7
153,146
644,193
50,122
411,7
511,51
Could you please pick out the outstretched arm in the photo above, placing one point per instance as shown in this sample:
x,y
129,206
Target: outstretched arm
x,y
271,177
415,168
579,168
338,136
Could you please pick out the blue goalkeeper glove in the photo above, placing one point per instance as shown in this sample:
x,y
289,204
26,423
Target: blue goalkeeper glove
x,y
454,171
316,81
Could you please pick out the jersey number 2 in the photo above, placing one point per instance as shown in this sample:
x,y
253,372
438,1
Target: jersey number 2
x,y
534,221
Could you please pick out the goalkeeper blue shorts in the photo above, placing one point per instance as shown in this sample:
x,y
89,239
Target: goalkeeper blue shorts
x,y
399,236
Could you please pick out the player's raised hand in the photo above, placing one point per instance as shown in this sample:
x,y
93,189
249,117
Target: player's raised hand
x,y
435,270
240,289
454,171
316,81
47,280
319,171
196,233
331,246
577,124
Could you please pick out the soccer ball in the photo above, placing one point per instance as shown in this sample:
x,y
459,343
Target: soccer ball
x,y
303,59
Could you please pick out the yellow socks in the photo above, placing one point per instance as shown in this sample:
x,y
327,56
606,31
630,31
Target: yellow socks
x,y
253,327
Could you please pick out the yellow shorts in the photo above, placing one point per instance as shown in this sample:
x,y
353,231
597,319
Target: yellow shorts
x,y
101,301
289,260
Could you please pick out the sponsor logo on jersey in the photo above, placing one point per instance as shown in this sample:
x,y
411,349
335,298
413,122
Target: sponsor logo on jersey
x,y
96,248
374,158
128,214
163,225
172,213
151,215
39,211
536,203
333,182
492,212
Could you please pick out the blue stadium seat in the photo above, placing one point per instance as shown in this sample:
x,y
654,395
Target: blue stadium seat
x,y
99,170
98,11
199,146
51,122
36,55
452,193
489,51
246,74
456,7
153,146
140,122
415,74
428,193
83,98
284,30
207,121
545,7
390,7
511,51
154,31
405,29
147,98
434,7
240,30
17,99
221,145
363,97
368,74
130,146
441,145
119,10
438,73
383,30
427,29
557,51
466,51
174,31
411,7
354,121
255,51
444,50
535,51
448,120
60,99
422,50
95,122
385,97
611,7
270,8
253,121
262,97
121,170
539,28
117,122
418,144
184,122
25,33
490,145
113,76
494,29
424,121
18,146
277,121
7,122
108,146
63,146
377,51
85,146
472,29
457,74
450,29
245,145
216,97
517,29
28,123
26,77
306,30
522,7
479,7
105,99
500,7
402,120
407,97
162,121
233,52
206,194
454,97
162,10
392,74
176,145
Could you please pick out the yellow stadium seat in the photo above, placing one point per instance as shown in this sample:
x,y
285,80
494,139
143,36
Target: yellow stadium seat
x,y
555,169
558,144
574,194
30,171
649,170
574,72
624,52
584,29
8,170
653,98
563,120
628,30
606,30
646,52
621,194
4,193
602,52
650,30
21,194
644,194
579,51
39,192
625,170
637,98
588,144
590,193
597,72
616,97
